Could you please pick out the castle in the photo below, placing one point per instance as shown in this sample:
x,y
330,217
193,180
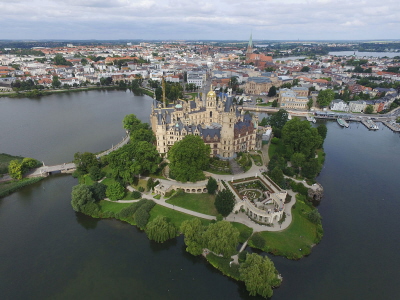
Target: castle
x,y
216,120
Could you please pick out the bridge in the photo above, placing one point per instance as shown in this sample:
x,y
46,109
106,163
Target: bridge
x,y
45,171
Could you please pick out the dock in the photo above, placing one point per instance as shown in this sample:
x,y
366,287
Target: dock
x,y
369,124
393,126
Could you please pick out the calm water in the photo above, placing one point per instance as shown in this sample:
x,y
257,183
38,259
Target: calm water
x,y
365,54
50,252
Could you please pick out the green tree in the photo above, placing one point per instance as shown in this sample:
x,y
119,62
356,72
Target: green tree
x,y
84,61
160,230
259,275
146,157
325,97
222,238
279,119
193,231
56,83
98,191
300,136
305,69
369,109
322,131
212,186
277,176
298,159
29,163
115,191
274,103
132,123
61,61
310,168
143,135
272,91
84,161
310,103
314,216
224,202
15,169
188,158
81,196
95,173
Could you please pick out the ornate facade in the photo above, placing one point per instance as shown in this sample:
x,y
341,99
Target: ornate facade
x,y
218,122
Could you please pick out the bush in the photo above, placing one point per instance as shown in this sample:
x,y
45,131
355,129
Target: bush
x,y
275,141
314,216
141,189
242,256
115,191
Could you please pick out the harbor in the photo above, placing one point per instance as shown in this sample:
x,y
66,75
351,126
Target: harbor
x,y
342,122
371,125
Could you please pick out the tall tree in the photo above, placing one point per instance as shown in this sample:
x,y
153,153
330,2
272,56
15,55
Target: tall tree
x,y
224,202
160,229
272,91
81,196
212,186
325,97
222,238
115,191
188,158
193,231
259,275
300,136
132,123
15,169
84,161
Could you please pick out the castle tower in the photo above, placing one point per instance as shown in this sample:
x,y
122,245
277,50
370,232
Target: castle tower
x,y
228,119
211,107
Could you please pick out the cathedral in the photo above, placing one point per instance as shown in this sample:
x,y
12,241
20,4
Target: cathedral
x,y
216,120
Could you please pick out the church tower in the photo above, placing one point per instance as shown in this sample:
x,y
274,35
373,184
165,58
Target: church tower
x,y
249,48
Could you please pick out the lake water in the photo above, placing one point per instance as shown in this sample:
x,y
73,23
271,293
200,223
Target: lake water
x,y
50,252
365,54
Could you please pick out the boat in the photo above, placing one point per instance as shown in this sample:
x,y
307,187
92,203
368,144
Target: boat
x,y
311,119
342,122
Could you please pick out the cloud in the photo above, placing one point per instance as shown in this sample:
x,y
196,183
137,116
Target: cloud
x,y
207,19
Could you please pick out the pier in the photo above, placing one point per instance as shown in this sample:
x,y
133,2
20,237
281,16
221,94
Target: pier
x,y
369,124
393,126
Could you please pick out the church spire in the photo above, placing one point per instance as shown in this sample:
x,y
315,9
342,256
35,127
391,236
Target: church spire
x,y
250,45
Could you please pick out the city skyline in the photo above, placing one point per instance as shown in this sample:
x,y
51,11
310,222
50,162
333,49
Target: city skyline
x,y
221,20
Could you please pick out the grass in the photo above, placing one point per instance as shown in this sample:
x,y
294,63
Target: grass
x,y
321,156
7,188
275,148
218,172
301,234
222,264
245,232
141,183
202,203
88,180
114,207
264,104
257,159
175,217
108,181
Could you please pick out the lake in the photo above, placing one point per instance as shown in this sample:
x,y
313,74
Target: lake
x,y
365,54
50,252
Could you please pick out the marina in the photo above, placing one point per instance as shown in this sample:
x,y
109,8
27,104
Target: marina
x,y
369,124
393,126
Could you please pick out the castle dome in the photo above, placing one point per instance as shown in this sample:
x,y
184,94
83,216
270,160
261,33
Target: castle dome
x,y
211,94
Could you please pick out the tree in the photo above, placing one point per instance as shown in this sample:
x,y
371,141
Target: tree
x,y
188,158
143,135
274,103
305,69
300,136
132,123
160,230
298,159
310,103
56,83
369,109
193,231
146,157
277,176
325,97
15,169
314,216
322,131
212,186
29,163
81,196
259,275
222,238
272,91
98,191
95,173
61,61
279,119
84,161
224,202
115,191
310,168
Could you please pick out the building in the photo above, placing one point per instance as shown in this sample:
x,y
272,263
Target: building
x,y
295,98
258,60
218,122
357,106
339,105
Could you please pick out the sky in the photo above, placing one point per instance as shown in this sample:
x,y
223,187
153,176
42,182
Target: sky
x,y
200,20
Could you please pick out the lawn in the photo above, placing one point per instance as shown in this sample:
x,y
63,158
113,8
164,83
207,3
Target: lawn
x,y
295,241
321,156
141,183
115,207
202,203
223,264
108,181
173,216
245,232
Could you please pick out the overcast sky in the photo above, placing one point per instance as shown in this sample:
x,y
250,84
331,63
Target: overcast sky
x,y
204,19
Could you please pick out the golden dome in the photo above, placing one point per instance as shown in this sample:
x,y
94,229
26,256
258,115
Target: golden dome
x,y
211,94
